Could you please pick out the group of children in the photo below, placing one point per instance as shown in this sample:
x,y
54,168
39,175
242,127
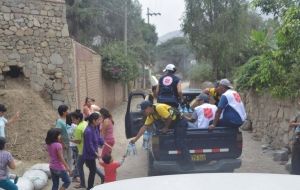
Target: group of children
x,y
78,139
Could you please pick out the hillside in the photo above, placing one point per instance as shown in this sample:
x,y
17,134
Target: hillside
x,y
26,136
170,35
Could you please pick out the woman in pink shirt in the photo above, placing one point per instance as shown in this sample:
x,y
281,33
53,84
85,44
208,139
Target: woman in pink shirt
x,y
58,166
107,132
87,107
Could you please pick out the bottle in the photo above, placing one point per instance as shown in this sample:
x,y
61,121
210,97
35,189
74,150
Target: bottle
x,y
146,137
180,108
185,109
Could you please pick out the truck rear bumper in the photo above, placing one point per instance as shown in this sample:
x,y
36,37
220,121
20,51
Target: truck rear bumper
x,y
224,165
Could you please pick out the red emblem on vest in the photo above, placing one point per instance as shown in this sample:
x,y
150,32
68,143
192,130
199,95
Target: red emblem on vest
x,y
237,97
208,113
167,80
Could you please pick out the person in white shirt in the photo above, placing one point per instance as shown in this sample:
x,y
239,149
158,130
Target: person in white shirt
x,y
231,111
4,122
204,112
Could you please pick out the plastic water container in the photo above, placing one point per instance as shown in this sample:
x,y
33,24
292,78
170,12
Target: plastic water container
x,y
180,109
185,109
131,149
146,139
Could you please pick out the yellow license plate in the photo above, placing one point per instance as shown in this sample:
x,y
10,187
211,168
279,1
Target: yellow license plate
x,y
198,157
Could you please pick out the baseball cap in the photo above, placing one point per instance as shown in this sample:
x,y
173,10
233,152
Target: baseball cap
x,y
226,82
169,67
145,104
203,97
2,108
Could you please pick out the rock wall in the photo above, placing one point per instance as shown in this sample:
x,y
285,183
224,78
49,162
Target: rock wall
x,y
34,37
270,118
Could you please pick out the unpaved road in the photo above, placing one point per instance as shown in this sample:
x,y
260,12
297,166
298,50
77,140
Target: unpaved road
x,y
253,160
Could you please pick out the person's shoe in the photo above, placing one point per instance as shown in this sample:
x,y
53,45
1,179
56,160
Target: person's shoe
x,y
16,179
102,179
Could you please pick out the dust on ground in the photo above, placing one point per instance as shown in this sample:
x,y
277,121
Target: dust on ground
x,y
26,137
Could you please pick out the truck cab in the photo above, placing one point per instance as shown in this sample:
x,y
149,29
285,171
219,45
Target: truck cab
x,y
216,150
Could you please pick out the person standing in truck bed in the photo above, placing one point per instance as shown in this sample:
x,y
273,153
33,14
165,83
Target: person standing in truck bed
x,y
169,87
171,118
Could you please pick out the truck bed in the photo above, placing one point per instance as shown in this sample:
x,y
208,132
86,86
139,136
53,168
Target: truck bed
x,y
220,146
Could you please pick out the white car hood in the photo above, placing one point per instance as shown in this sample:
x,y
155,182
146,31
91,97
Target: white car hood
x,y
214,181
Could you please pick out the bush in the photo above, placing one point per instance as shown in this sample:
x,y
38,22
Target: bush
x,y
116,65
201,72
276,69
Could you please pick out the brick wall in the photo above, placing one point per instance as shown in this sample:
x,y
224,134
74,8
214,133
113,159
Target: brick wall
x,y
89,82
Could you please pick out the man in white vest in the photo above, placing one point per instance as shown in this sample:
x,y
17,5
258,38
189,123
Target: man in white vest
x,y
203,113
231,111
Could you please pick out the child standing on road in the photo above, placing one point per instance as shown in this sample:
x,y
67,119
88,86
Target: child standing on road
x,y
4,121
58,166
110,167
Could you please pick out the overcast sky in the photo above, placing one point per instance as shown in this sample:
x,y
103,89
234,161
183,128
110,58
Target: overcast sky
x,y
171,13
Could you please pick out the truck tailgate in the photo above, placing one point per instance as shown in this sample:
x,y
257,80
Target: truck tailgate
x,y
204,145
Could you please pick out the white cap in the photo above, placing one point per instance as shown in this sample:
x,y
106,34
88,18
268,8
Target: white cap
x,y
225,82
169,67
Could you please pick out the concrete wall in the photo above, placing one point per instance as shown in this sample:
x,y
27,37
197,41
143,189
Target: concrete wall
x,y
89,81
34,37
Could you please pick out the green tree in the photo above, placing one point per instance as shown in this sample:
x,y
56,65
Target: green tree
x,y
201,72
275,7
276,68
104,20
116,65
217,31
175,51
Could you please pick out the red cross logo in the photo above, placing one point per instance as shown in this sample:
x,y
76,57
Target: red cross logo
x,y
208,113
237,97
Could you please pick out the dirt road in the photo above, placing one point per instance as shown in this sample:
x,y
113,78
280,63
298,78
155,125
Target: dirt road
x,y
253,160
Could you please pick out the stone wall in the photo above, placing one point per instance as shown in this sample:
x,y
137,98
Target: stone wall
x,y
270,118
34,37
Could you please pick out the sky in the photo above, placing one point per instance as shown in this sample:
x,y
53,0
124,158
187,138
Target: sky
x,y
171,13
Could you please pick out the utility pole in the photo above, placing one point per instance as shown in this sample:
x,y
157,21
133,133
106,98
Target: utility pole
x,y
126,89
125,28
151,14
148,21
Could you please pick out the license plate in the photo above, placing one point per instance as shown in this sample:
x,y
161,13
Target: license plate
x,y
198,157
